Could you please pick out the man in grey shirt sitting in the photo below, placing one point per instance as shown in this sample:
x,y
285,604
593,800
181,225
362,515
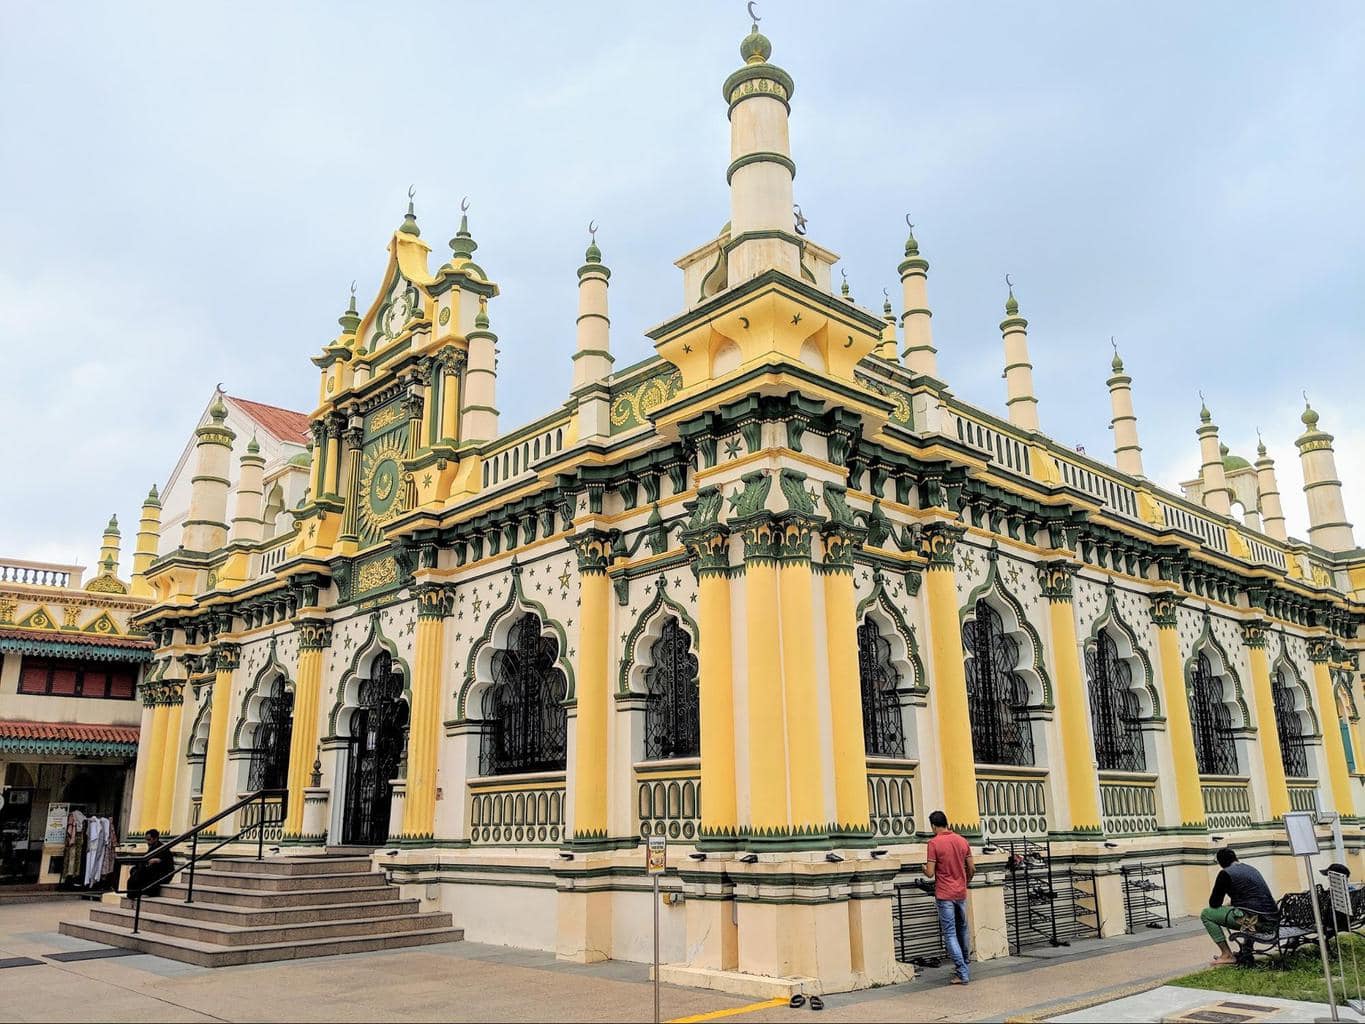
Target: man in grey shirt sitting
x,y
1246,893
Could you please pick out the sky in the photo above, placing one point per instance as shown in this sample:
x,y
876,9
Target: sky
x,y
187,191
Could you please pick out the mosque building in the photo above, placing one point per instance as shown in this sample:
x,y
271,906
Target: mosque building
x,y
774,593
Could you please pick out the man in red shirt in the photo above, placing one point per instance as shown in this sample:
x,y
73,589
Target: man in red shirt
x,y
949,863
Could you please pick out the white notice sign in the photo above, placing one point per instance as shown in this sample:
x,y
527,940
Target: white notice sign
x,y
1341,892
1303,841
55,831
656,855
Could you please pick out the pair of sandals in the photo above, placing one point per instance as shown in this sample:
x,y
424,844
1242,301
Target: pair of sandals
x,y
797,1001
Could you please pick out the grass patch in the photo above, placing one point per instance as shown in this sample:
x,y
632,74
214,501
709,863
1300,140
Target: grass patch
x,y
1301,977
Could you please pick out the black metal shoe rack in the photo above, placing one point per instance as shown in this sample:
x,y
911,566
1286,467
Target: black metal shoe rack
x,y
1144,897
1045,905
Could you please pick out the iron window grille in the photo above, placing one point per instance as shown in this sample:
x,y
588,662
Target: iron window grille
x,y
997,695
673,711
1289,726
525,726
883,730
1115,710
1215,744
270,752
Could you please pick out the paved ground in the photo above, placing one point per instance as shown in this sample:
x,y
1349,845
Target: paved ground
x,y
468,981
1168,1001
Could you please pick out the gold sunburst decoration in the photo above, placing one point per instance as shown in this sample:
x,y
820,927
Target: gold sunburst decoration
x,y
382,494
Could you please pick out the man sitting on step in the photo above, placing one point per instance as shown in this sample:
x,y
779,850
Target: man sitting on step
x,y
147,878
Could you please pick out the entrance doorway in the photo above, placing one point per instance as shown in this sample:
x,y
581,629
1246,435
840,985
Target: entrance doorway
x,y
378,733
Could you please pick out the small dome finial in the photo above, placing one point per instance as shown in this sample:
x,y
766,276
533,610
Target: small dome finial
x,y
911,246
113,525
1310,415
593,254
755,49
153,498
462,246
1204,415
1011,303
843,288
1117,363
218,411
350,320
253,447
481,317
886,304
409,225
1260,443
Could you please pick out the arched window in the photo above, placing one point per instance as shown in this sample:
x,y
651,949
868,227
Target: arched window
x,y
883,732
1215,747
1115,711
997,696
525,727
673,715
1289,726
270,753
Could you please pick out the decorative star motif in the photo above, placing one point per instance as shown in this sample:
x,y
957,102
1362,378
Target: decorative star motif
x,y
692,598
564,579
426,480
572,652
538,586
796,318
624,636
734,500
813,496
478,604
1013,572
677,581
582,505
687,349
312,528
732,448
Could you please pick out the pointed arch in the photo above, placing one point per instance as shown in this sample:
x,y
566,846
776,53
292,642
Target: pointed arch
x,y
1304,696
1208,678
647,629
1130,649
257,692
368,650
479,663
905,654
1031,666
199,731
1222,666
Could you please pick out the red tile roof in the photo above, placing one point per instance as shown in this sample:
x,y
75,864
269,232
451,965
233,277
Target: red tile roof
x,y
68,637
284,424
68,731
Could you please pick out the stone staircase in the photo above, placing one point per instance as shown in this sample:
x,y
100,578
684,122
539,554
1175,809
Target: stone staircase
x,y
248,911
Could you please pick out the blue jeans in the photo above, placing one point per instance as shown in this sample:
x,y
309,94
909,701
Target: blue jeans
x,y
952,919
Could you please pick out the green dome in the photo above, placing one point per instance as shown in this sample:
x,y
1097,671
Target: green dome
x,y
755,49
301,459
218,411
1231,462
1309,417
592,254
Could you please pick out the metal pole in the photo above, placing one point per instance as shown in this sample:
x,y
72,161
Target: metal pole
x,y
194,859
260,829
1322,942
657,1016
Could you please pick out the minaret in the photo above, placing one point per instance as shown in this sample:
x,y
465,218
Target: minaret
x,y
480,421
148,538
246,524
592,361
109,549
1272,514
206,527
886,348
1019,397
1217,495
761,168
920,354
1327,525
1127,451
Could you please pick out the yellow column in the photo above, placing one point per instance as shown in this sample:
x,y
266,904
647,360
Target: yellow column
x,y
1073,705
171,760
957,764
592,686
145,769
763,664
156,764
315,636
434,604
1329,721
719,811
845,690
805,769
1185,766
332,483
226,659
1267,731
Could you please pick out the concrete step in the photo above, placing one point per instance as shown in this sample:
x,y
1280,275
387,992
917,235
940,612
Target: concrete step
x,y
291,866
255,881
208,955
249,916
213,933
262,899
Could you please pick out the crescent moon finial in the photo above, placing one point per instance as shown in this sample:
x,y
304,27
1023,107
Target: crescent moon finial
x,y
1201,396
755,17
1305,397
592,228
464,205
886,294
1008,283
412,191
844,273
1114,344
352,287
907,222
219,387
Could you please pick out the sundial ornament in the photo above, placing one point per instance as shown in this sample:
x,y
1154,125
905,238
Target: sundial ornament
x,y
381,485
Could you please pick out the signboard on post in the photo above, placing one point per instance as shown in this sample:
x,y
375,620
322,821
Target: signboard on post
x,y
55,832
656,855
1303,840
1341,892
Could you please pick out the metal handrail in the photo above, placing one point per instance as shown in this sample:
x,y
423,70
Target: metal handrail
x,y
192,836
